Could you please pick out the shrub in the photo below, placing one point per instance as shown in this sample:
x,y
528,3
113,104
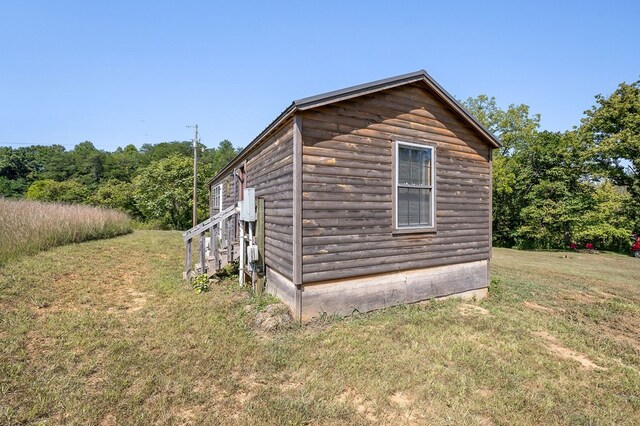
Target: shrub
x,y
201,283
65,192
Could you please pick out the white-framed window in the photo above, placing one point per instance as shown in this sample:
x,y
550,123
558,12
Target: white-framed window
x,y
216,199
414,193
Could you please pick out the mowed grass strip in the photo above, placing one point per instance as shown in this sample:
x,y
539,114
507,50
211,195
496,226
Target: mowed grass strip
x,y
27,227
106,332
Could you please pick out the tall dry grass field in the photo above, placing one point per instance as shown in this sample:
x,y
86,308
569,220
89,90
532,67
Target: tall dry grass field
x,y
27,227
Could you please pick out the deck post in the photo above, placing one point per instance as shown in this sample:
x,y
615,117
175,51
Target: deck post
x,y
214,246
201,243
188,259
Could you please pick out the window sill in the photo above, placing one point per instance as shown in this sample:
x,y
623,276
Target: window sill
x,y
405,231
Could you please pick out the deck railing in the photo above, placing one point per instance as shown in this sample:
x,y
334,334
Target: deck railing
x,y
213,225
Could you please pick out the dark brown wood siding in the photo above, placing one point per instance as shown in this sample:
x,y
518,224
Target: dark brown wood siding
x,y
228,196
348,177
270,171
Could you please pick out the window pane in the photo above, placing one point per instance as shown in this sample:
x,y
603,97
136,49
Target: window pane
x,y
414,166
403,207
425,207
414,207
404,165
426,167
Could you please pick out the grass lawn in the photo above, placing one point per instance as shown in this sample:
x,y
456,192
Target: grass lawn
x,y
107,333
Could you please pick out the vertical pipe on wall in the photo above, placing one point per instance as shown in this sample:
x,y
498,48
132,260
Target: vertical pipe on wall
x,y
242,253
253,265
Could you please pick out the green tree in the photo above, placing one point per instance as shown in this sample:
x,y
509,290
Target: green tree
x,y
117,195
517,129
22,166
49,162
613,126
557,191
514,126
216,158
162,150
13,174
123,164
65,192
605,221
88,162
163,191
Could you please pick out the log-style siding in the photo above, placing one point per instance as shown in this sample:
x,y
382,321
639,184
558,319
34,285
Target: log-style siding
x,y
347,195
270,171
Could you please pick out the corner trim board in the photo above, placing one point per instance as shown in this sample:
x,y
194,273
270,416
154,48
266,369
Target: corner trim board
x,y
297,200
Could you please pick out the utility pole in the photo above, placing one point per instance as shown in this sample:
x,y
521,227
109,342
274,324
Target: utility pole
x,y
196,140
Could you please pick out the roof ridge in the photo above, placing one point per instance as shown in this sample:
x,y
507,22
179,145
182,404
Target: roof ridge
x,y
352,90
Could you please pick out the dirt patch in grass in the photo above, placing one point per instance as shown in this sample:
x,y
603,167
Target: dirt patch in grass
x,y
631,341
467,309
108,420
604,294
539,308
555,347
484,392
189,415
365,408
137,300
578,296
290,386
273,318
127,301
401,399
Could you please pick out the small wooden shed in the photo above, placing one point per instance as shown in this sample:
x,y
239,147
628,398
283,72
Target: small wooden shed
x,y
373,195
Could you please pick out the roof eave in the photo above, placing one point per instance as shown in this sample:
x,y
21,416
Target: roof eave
x,y
446,96
284,116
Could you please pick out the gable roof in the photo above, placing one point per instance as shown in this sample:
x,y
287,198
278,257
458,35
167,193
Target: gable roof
x,y
360,90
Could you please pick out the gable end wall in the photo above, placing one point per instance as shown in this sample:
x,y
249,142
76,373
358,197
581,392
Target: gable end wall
x,y
347,225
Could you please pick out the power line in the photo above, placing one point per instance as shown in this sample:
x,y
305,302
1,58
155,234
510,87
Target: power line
x,y
73,145
36,144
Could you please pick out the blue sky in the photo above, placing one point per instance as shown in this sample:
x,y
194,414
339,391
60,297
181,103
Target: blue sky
x,y
121,72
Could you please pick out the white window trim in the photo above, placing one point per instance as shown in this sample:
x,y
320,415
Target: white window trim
x,y
219,189
432,204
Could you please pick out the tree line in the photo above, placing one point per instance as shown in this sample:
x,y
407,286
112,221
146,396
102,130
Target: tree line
x,y
555,189
550,189
153,184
